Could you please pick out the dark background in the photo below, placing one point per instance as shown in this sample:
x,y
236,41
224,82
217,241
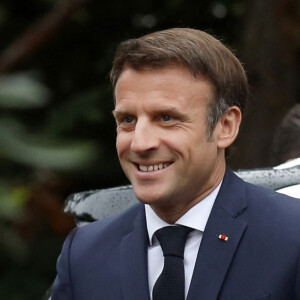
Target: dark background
x,y
57,133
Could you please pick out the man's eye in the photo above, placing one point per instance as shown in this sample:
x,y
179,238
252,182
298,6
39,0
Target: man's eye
x,y
166,118
128,120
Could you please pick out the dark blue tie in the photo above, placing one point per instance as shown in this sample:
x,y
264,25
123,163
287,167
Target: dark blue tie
x,y
170,283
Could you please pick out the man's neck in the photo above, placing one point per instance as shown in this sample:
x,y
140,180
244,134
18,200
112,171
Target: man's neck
x,y
171,214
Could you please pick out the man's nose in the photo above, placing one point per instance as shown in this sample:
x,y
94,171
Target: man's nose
x,y
145,137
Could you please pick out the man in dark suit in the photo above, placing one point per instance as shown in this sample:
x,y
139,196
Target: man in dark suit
x,y
179,98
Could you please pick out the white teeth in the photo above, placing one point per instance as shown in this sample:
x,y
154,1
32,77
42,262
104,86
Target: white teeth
x,y
151,168
143,168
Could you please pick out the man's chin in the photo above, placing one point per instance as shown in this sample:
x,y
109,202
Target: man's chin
x,y
149,196
148,199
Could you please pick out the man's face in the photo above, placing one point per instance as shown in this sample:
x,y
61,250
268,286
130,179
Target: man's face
x,y
161,137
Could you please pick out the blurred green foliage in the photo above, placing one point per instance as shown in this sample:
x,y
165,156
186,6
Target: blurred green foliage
x,y
22,91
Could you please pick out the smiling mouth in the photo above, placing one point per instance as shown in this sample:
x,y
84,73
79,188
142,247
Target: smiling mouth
x,y
151,168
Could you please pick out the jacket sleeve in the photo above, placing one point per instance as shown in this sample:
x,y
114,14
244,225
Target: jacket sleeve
x,y
62,286
297,292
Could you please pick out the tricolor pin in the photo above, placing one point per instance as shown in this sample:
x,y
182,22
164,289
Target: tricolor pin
x,y
223,237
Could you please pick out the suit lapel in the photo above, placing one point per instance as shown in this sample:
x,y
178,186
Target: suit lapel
x,y
133,261
215,255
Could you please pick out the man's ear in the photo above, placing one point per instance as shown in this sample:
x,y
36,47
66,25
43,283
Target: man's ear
x,y
227,127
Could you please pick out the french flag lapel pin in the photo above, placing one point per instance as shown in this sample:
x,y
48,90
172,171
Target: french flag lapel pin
x,y
223,237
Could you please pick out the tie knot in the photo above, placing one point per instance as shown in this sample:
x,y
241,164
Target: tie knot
x,y
172,239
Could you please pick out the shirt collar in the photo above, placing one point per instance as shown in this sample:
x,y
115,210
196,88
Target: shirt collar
x,y
195,218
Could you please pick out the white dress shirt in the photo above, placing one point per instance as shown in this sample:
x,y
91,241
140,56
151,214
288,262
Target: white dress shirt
x,y
195,218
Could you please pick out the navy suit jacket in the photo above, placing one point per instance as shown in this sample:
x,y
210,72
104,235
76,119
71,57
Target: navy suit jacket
x,y
107,259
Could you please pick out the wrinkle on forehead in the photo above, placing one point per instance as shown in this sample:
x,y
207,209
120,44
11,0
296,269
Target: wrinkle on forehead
x,y
166,83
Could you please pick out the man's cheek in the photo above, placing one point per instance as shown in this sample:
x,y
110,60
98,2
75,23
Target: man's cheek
x,y
121,144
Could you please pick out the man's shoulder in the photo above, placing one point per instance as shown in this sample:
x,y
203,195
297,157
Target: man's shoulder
x,y
274,212
261,204
269,196
112,228
257,193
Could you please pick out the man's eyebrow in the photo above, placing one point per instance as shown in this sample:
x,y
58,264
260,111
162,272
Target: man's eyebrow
x,y
173,111
119,113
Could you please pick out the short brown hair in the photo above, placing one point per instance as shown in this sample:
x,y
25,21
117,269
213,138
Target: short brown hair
x,y
204,55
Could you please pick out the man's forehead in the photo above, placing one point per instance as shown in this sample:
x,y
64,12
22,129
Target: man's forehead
x,y
172,74
145,69
172,90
